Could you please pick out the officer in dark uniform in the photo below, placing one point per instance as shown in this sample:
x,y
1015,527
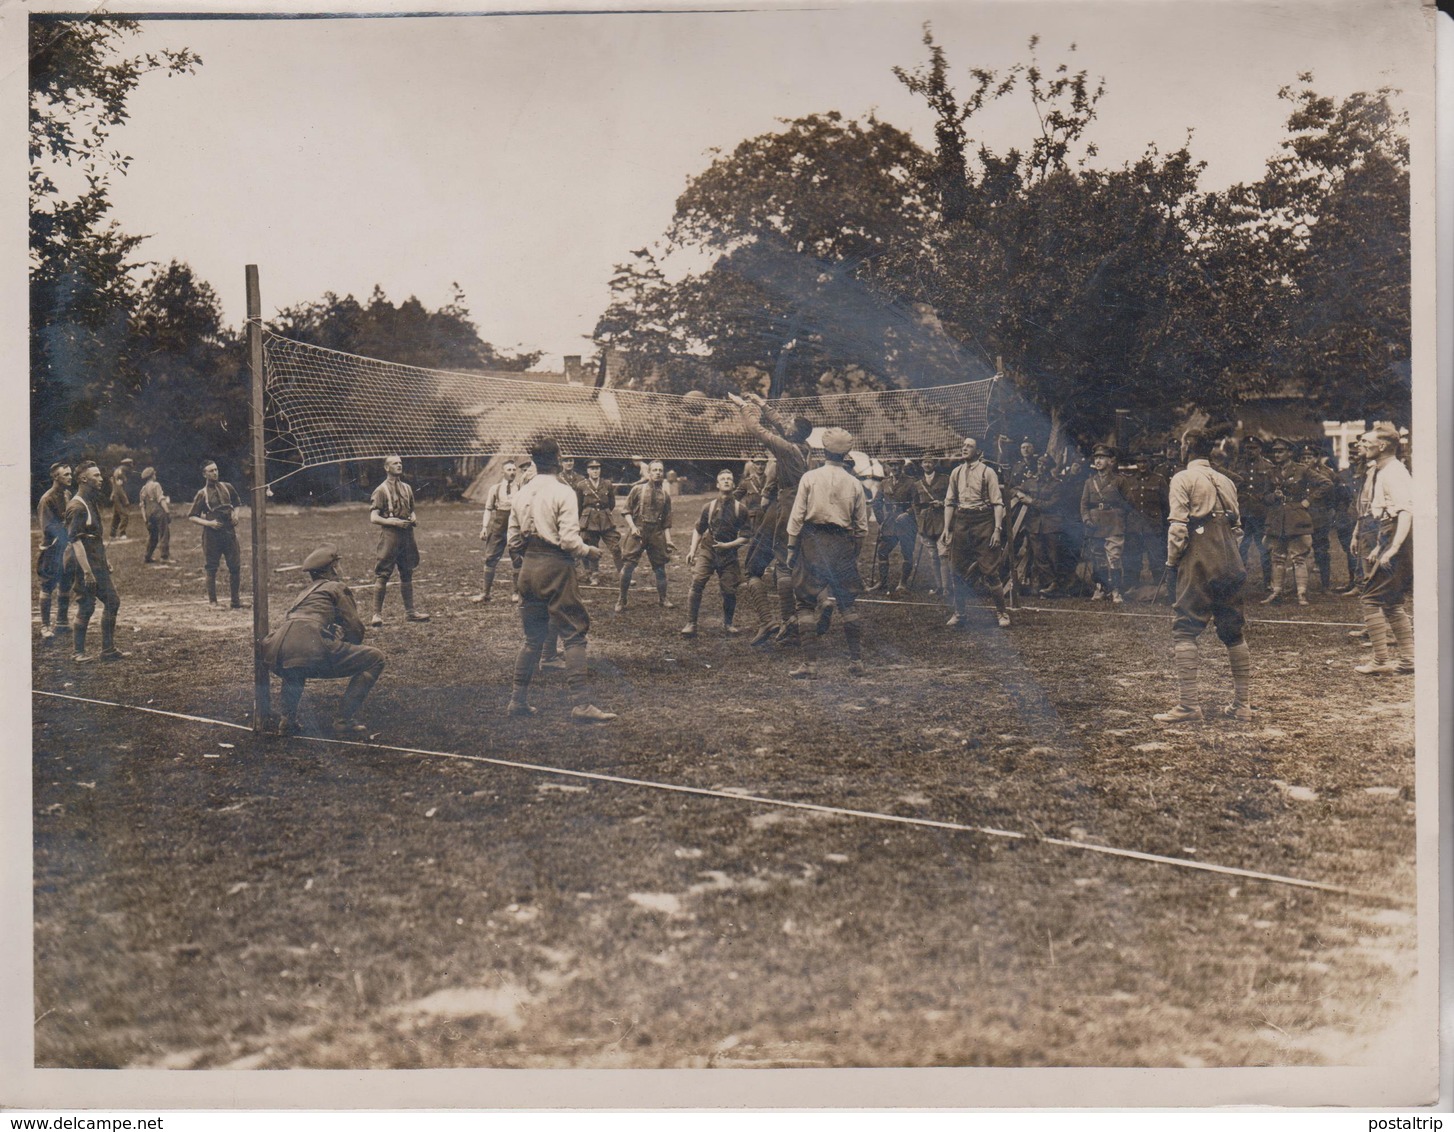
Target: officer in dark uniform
x,y
1289,537
596,497
929,492
1103,510
321,638
1146,492
1250,472
897,527
1322,490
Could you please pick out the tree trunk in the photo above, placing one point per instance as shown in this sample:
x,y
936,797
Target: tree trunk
x,y
1055,446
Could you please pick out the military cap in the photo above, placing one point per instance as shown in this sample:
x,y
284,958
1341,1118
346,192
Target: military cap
x,y
148,473
1281,442
128,461
837,441
1252,438
1103,450
593,464
322,558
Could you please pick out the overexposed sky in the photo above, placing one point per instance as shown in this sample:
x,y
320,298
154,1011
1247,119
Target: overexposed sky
x,y
523,155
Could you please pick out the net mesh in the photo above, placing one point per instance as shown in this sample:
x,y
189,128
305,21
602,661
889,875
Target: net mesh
x,y
324,406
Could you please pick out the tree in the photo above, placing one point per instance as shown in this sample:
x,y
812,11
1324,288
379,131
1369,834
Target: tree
x,y
81,266
1333,212
809,226
406,333
190,398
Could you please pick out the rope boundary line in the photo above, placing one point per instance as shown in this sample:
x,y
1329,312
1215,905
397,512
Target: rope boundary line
x,y
781,803
1113,613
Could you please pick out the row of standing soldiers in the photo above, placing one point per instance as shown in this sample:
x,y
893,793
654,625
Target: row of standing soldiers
x,y
1097,531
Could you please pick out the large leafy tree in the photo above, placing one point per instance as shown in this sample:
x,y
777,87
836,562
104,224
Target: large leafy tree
x,y
1333,213
82,268
807,228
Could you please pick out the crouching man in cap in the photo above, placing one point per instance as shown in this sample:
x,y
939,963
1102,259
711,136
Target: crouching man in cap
x,y
321,638
545,530
825,530
1203,555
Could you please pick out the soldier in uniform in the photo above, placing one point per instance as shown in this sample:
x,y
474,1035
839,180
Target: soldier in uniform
x,y
825,530
787,444
88,568
52,566
321,638
215,510
1203,555
1346,517
648,531
1041,529
545,529
1023,468
391,508
929,492
156,510
722,527
750,487
597,498
496,526
1289,537
120,501
974,520
1388,499
1147,493
1103,510
1322,488
1251,471
897,528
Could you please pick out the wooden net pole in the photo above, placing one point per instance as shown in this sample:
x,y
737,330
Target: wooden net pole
x,y
262,691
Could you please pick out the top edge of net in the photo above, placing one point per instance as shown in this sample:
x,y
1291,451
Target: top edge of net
x,y
490,375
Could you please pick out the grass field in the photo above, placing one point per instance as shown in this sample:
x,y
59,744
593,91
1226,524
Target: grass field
x,y
206,900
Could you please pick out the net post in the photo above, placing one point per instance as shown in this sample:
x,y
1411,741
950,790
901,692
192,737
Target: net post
x,y
262,691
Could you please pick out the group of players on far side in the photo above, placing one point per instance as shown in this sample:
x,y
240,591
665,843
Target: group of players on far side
x,y
791,555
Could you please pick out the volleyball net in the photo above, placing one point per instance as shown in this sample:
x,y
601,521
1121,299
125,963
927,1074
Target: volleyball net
x,y
325,407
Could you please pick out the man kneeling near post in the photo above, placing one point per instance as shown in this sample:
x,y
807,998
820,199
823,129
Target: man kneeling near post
x,y
321,638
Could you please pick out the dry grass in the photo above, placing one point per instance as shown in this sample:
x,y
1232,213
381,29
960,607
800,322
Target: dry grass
x,y
305,904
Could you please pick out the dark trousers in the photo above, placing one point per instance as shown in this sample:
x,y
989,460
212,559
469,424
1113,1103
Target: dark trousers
x,y
361,664
159,535
550,605
87,596
217,546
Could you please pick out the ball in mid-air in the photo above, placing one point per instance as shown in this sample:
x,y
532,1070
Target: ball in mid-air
x,y
695,402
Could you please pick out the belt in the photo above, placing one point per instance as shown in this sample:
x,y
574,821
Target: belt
x,y
974,510
535,542
828,526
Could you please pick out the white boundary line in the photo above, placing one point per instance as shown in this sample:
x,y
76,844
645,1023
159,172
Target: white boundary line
x,y
1113,613
761,800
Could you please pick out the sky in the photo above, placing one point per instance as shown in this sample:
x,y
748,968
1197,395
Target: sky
x,y
522,156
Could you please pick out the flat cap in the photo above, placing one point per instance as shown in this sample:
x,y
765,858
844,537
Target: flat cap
x,y
837,441
322,558
148,473
128,460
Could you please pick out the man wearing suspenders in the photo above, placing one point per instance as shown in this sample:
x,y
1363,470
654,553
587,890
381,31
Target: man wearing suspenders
x,y
496,527
1203,554
722,527
1388,574
91,574
392,509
